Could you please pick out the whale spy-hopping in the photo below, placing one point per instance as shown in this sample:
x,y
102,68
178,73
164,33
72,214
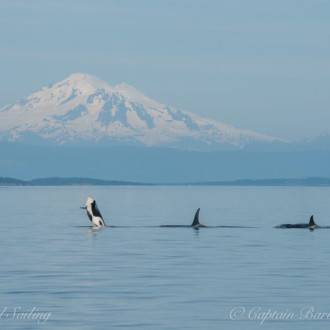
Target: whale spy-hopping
x,y
311,225
93,212
195,224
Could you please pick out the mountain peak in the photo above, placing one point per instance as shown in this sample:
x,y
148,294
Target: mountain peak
x,y
83,80
83,109
88,84
84,77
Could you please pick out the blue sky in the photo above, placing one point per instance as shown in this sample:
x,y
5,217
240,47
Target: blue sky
x,y
257,64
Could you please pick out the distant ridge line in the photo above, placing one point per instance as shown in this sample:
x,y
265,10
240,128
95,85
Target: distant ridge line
x,y
58,181
312,181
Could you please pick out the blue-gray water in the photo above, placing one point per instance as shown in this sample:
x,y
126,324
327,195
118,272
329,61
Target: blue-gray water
x,y
142,276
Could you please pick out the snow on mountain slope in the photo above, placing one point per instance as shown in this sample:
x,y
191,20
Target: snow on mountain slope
x,y
83,109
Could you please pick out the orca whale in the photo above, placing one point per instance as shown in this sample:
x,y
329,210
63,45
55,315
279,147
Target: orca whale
x,y
311,225
93,212
195,224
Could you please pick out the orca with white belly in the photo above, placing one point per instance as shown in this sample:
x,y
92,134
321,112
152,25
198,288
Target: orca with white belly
x,y
311,225
93,213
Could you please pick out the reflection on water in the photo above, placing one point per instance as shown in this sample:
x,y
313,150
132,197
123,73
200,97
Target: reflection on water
x,y
94,229
140,275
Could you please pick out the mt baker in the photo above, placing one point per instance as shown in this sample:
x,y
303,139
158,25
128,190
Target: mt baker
x,y
84,110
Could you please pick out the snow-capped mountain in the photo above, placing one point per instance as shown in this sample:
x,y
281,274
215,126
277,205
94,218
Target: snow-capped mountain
x,y
83,109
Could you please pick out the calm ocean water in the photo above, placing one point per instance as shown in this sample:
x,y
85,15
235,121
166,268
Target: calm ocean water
x,y
56,274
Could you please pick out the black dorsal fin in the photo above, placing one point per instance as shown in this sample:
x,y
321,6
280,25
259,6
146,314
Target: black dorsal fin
x,y
311,221
196,219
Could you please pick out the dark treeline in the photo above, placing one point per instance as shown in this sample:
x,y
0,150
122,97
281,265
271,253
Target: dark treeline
x,y
57,181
